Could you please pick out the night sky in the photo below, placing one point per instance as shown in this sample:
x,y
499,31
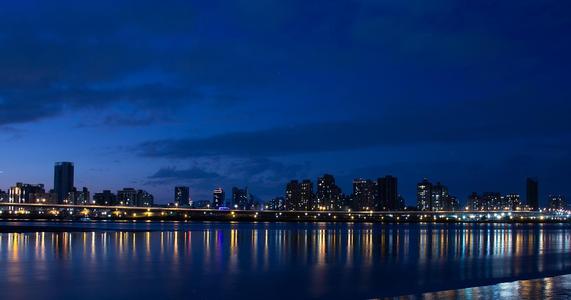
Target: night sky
x,y
151,94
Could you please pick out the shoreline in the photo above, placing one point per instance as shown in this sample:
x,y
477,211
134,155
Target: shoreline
x,y
70,226
434,294
246,218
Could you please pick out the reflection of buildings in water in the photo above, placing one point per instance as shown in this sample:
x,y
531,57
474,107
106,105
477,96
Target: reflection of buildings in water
x,y
266,250
526,289
148,244
233,259
349,250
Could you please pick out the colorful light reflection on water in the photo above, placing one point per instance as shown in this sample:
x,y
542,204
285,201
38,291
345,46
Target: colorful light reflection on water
x,y
277,260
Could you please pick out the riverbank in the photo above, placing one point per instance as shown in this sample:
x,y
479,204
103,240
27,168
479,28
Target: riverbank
x,y
552,287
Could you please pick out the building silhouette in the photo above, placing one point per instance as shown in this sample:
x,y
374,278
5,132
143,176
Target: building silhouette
x,y
424,195
387,194
105,198
306,195
218,198
364,194
241,199
182,196
557,202
27,193
82,197
439,197
63,180
532,188
127,197
293,195
328,196
4,196
277,203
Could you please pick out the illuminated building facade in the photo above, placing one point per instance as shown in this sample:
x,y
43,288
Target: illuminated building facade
x,y
424,195
364,194
218,198
306,195
328,196
292,195
27,193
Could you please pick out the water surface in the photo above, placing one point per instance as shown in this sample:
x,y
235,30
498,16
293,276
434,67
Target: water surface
x,y
274,260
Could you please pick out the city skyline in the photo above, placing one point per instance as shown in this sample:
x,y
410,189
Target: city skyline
x,y
342,149
377,194
167,96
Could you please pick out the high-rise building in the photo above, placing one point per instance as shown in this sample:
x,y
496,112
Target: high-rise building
x,y
127,197
307,195
241,199
474,202
439,197
105,198
451,203
328,196
144,199
387,198
364,194
293,195
424,195
182,196
532,187
82,197
557,202
277,203
63,180
218,198
27,193
3,196
493,201
512,201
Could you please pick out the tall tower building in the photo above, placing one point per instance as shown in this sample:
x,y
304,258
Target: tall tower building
x,y
532,187
439,197
364,194
388,194
424,195
241,198
63,180
182,196
328,195
218,198
307,195
293,195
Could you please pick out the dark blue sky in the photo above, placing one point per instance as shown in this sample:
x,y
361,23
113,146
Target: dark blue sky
x,y
151,94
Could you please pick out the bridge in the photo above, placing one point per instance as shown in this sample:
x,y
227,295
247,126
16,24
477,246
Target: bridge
x,y
98,212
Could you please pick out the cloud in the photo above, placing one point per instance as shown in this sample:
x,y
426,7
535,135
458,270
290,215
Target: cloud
x,y
53,55
404,125
171,173
265,177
